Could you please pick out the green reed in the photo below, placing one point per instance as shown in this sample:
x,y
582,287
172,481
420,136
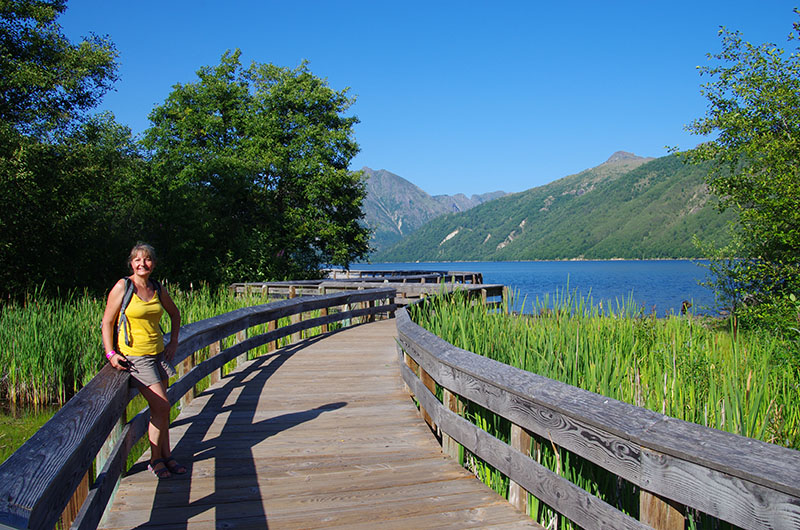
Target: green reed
x,y
51,347
681,366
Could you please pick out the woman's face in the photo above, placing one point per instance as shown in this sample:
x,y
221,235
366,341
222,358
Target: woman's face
x,y
142,264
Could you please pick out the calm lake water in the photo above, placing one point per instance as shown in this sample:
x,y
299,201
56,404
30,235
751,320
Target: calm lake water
x,y
660,285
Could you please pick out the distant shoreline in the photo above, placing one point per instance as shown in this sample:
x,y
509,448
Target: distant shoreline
x,y
539,260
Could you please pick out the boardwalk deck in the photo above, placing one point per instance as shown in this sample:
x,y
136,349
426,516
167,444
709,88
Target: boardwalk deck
x,y
317,435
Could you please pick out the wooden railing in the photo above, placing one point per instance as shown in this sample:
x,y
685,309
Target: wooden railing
x,y
406,276
409,288
45,475
674,464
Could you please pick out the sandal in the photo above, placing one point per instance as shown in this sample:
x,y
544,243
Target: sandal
x,y
159,473
173,466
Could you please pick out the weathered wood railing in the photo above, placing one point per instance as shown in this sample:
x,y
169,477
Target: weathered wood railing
x,y
409,288
674,464
407,275
39,480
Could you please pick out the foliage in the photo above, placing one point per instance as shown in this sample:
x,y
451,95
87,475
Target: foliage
x,y
248,175
244,174
612,211
754,111
46,82
62,172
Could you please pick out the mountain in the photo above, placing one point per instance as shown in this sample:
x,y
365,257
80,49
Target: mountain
x,y
394,207
627,207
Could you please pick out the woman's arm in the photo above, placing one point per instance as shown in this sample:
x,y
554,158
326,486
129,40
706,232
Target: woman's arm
x,y
113,306
175,323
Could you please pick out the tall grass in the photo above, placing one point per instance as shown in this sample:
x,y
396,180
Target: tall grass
x,y
682,366
51,347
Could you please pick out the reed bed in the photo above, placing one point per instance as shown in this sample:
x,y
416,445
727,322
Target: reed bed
x,y
51,347
682,366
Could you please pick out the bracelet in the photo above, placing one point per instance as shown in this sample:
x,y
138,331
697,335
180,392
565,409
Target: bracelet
x,y
110,354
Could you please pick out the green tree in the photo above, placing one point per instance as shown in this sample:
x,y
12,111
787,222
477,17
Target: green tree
x,y
249,175
46,82
61,170
754,112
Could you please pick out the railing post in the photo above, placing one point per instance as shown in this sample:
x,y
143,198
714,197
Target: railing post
x,y
521,441
272,325
660,513
452,403
324,311
100,461
430,384
184,368
241,336
74,505
297,317
213,349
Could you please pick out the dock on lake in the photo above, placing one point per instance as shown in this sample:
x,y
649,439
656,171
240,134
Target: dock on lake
x,y
319,434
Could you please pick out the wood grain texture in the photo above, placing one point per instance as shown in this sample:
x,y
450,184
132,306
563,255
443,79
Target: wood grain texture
x,y
37,481
747,482
578,505
314,435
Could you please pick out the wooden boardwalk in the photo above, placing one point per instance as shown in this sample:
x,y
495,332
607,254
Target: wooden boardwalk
x,y
320,434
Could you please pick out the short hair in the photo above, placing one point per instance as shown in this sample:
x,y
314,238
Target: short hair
x,y
148,250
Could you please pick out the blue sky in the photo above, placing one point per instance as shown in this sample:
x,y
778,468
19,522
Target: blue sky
x,y
460,96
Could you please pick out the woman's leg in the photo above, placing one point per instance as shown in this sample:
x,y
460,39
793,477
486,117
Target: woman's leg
x,y
158,430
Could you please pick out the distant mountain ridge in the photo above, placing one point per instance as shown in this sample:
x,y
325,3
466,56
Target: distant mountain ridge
x,y
394,207
627,207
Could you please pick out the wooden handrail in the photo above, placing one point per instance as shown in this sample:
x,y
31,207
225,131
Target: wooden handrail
x,y
409,288
38,480
749,483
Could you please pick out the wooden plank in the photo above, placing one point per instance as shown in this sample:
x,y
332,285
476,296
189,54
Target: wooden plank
x,y
349,450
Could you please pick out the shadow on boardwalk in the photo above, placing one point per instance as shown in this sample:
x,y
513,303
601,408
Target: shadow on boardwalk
x,y
319,434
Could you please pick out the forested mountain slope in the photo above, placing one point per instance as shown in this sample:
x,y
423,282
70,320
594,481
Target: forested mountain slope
x,y
627,207
394,207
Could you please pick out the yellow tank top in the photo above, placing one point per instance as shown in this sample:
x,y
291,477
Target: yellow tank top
x,y
144,332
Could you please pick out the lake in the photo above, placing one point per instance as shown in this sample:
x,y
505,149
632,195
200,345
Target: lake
x,y
660,285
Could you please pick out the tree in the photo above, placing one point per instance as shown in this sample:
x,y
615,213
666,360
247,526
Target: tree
x,y
249,173
46,82
754,111
60,168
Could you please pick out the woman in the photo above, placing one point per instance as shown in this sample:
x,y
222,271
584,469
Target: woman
x,y
142,350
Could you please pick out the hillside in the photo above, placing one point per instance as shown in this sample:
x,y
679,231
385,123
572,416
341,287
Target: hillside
x,y
628,207
394,207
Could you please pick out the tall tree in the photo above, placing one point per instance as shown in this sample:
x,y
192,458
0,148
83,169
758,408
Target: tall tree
x,y
249,173
46,82
754,114
58,165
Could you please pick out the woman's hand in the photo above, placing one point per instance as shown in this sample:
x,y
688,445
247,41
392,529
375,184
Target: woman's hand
x,y
119,362
170,349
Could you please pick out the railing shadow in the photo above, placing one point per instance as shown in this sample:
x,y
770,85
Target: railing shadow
x,y
231,449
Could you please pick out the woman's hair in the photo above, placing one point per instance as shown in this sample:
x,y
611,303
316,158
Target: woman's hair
x,y
148,251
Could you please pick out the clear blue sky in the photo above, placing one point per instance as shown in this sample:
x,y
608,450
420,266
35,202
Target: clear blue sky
x,y
455,96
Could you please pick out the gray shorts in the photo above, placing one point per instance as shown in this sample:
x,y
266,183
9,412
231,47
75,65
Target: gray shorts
x,y
150,369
